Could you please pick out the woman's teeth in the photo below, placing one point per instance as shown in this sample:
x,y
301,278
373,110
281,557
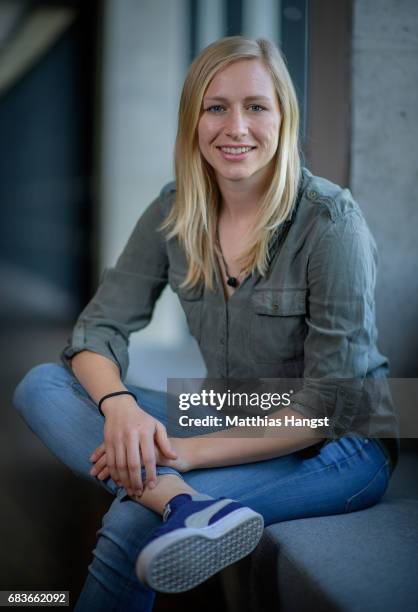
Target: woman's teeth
x,y
235,150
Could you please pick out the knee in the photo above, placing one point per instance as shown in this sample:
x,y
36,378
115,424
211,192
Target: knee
x,y
36,383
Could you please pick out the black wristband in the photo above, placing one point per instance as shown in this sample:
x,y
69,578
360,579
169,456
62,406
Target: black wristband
x,y
99,405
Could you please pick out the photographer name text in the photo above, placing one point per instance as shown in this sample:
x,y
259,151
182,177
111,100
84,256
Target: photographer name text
x,y
252,421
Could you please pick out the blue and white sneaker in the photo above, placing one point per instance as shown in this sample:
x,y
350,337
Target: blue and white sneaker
x,y
197,540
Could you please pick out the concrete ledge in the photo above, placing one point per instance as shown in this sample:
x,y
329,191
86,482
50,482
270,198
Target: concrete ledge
x,y
349,562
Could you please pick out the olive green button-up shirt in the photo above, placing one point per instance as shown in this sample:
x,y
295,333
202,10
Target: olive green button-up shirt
x,y
312,315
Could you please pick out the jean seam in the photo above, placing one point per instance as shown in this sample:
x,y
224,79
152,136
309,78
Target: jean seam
x,y
371,481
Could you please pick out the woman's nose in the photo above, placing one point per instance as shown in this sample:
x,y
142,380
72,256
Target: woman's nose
x,y
236,124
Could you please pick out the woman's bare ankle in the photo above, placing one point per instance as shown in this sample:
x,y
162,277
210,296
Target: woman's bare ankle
x,y
167,487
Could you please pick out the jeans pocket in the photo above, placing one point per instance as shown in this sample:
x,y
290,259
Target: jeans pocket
x,y
371,493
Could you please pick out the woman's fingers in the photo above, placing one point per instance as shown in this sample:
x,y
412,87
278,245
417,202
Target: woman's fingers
x,y
121,465
163,442
99,465
98,452
148,459
104,474
134,464
101,470
126,468
111,462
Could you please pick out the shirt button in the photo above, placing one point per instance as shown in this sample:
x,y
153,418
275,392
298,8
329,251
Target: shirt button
x,y
275,307
312,195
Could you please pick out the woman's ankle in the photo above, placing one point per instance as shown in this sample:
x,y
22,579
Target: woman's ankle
x,y
167,487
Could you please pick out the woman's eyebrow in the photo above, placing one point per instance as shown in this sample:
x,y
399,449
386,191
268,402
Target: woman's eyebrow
x,y
247,99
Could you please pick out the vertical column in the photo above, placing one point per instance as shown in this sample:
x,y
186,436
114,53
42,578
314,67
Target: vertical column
x,y
211,22
262,19
294,43
141,81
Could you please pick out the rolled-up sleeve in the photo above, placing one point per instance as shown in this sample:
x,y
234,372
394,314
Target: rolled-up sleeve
x,y
340,322
125,298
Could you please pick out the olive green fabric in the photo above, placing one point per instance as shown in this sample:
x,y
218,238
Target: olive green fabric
x,y
312,315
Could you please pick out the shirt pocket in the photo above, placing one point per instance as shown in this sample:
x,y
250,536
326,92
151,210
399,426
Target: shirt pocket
x,y
191,300
278,328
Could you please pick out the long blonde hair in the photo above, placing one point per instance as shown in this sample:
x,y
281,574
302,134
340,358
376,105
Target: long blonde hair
x,y
194,216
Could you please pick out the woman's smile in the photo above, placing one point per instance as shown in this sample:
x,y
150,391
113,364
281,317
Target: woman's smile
x,y
234,153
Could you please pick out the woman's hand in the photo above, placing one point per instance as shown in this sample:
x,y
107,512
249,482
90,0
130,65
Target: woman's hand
x,y
132,439
182,449
179,445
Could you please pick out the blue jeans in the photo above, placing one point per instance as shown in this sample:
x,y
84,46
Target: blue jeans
x,y
341,476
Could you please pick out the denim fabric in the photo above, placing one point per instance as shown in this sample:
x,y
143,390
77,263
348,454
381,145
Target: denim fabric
x,y
341,476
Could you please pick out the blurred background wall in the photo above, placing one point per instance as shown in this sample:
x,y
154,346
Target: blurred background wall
x,y
88,104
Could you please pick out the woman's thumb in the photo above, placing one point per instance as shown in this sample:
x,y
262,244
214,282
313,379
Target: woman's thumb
x,y
164,443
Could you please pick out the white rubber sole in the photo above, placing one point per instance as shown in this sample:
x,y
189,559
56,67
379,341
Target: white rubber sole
x,y
182,559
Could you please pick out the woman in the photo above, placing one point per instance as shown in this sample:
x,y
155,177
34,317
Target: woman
x,y
275,271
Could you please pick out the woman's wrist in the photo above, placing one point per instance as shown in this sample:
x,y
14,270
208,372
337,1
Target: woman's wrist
x,y
114,394
113,403
187,452
193,452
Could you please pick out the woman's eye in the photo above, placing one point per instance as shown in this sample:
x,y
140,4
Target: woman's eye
x,y
215,108
257,108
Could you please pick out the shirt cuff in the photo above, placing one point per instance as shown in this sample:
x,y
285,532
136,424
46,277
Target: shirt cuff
x,y
114,348
342,402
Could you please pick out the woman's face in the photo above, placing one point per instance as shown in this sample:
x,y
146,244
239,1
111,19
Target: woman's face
x,y
239,126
